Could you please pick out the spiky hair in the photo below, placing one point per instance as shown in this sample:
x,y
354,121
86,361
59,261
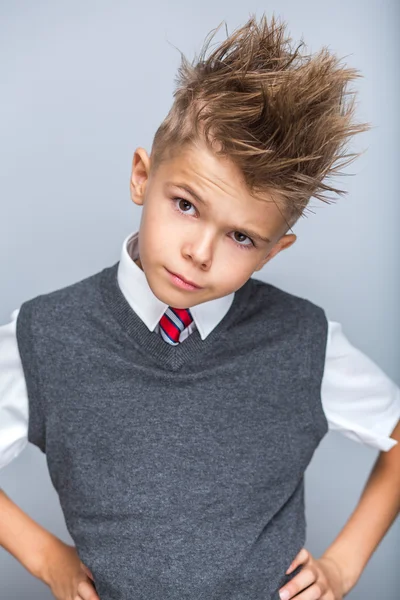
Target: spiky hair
x,y
282,116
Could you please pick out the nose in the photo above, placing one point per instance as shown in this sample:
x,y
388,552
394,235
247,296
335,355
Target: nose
x,y
199,250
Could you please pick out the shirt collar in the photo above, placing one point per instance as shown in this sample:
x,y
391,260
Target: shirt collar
x,y
137,292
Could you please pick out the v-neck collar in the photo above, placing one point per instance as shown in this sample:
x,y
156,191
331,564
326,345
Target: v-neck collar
x,y
150,342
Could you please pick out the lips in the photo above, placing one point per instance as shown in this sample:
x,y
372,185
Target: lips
x,y
185,280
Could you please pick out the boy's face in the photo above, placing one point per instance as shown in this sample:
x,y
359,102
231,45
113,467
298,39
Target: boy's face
x,y
196,222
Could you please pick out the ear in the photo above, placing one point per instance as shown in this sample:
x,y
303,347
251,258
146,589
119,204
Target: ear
x,y
140,175
284,242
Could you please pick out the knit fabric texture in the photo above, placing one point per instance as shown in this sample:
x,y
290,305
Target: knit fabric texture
x,y
179,469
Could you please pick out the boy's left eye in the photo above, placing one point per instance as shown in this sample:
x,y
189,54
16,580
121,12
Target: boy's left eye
x,y
182,201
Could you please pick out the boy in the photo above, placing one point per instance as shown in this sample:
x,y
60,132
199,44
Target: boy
x,y
177,399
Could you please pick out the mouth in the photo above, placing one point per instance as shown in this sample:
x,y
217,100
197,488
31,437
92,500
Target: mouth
x,y
183,282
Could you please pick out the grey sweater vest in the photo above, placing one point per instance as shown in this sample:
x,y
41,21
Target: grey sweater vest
x,y
179,469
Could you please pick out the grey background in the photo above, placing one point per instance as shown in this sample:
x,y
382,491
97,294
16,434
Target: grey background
x,y
82,85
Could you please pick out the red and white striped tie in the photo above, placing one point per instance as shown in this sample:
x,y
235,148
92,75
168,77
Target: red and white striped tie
x,y
173,322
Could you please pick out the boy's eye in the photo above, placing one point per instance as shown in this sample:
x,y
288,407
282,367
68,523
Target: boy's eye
x,y
184,206
246,237
184,203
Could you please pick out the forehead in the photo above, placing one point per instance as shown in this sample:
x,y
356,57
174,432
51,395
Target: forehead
x,y
197,162
221,187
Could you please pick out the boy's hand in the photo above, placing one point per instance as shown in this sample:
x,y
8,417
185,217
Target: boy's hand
x,y
322,578
65,574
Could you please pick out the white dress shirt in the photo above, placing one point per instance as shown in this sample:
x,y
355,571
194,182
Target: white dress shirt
x,y
358,399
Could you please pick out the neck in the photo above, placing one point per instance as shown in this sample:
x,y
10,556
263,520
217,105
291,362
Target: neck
x,y
138,263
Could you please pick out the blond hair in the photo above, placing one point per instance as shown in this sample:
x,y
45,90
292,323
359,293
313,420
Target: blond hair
x,y
282,117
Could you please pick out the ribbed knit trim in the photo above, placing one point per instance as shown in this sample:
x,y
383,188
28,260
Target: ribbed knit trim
x,y
173,357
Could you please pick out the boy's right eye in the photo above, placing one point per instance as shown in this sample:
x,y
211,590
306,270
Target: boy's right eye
x,y
181,203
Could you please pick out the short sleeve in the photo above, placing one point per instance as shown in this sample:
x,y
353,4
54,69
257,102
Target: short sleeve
x,y
358,398
13,395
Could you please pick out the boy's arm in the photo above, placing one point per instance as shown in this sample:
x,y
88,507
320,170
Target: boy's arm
x,y
376,510
43,554
25,539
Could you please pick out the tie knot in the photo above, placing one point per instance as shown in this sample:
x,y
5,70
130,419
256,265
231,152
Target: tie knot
x,y
173,322
182,313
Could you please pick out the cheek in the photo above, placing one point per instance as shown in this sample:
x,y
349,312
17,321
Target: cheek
x,y
155,230
234,267
160,217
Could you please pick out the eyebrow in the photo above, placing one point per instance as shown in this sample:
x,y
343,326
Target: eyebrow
x,y
248,232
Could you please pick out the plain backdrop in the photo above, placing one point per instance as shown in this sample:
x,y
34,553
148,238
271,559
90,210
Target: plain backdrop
x,y
82,84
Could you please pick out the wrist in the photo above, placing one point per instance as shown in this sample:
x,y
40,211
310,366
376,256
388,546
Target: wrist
x,y
350,571
30,543
50,548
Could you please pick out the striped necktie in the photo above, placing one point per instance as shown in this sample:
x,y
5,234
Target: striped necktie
x,y
173,322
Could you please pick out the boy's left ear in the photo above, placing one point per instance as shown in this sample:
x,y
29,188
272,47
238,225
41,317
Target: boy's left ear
x,y
140,175
285,242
